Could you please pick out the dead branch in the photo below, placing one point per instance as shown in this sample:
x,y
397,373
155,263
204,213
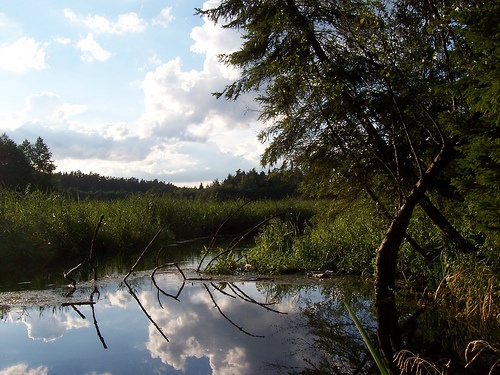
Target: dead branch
x,y
72,304
214,237
144,252
88,259
233,243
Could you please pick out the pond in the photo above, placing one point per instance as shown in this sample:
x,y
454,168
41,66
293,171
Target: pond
x,y
178,321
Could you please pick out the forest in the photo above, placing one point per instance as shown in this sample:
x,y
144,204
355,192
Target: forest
x,y
30,166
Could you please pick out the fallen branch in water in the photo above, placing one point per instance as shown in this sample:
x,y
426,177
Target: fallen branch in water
x,y
234,243
89,259
144,252
77,303
214,237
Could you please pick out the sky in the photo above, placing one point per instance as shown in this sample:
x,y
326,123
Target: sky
x,y
123,88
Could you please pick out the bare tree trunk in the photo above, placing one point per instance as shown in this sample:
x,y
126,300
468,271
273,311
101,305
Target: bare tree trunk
x,y
388,329
445,226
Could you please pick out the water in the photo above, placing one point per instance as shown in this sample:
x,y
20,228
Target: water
x,y
169,325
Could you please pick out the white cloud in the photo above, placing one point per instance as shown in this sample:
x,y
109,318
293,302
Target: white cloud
x,y
45,109
62,41
22,55
125,23
23,369
183,134
164,18
51,330
49,108
91,50
195,331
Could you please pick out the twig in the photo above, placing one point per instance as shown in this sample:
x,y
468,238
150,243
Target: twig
x,y
77,303
144,252
214,237
88,259
233,244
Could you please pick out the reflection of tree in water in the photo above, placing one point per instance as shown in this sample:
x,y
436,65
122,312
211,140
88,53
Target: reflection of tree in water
x,y
333,339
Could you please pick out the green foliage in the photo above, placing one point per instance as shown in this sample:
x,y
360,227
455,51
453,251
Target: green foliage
x,y
15,170
342,239
39,229
224,263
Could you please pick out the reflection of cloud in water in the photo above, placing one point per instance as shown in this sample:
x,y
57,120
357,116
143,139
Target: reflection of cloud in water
x,y
120,298
23,369
52,329
196,329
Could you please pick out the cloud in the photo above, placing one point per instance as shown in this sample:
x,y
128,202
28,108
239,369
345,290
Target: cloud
x,y
198,330
23,369
44,109
125,23
49,108
51,330
164,18
22,55
183,135
92,51
179,104
62,41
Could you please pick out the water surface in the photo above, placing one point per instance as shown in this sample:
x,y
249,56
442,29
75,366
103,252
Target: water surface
x,y
168,325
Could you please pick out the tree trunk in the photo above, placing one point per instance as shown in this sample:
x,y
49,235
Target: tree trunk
x,y
388,329
445,226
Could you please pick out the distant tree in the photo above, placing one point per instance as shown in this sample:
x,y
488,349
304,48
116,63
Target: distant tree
x,y
15,169
39,155
40,159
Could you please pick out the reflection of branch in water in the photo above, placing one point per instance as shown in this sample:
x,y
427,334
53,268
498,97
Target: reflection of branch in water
x,y
132,293
225,316
96,291
240,293
222,291
91,303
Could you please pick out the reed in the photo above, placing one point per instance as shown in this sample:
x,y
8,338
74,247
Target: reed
x,y
39,229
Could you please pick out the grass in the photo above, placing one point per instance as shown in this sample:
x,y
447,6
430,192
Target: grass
x,y
38,230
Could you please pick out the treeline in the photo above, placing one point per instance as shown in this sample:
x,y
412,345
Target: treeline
x,y
93,185
27,167
275,184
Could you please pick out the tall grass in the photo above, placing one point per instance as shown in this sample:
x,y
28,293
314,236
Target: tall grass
x,y
344,240
37,229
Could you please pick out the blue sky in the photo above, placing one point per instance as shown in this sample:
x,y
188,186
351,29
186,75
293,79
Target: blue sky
x,y
123,88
